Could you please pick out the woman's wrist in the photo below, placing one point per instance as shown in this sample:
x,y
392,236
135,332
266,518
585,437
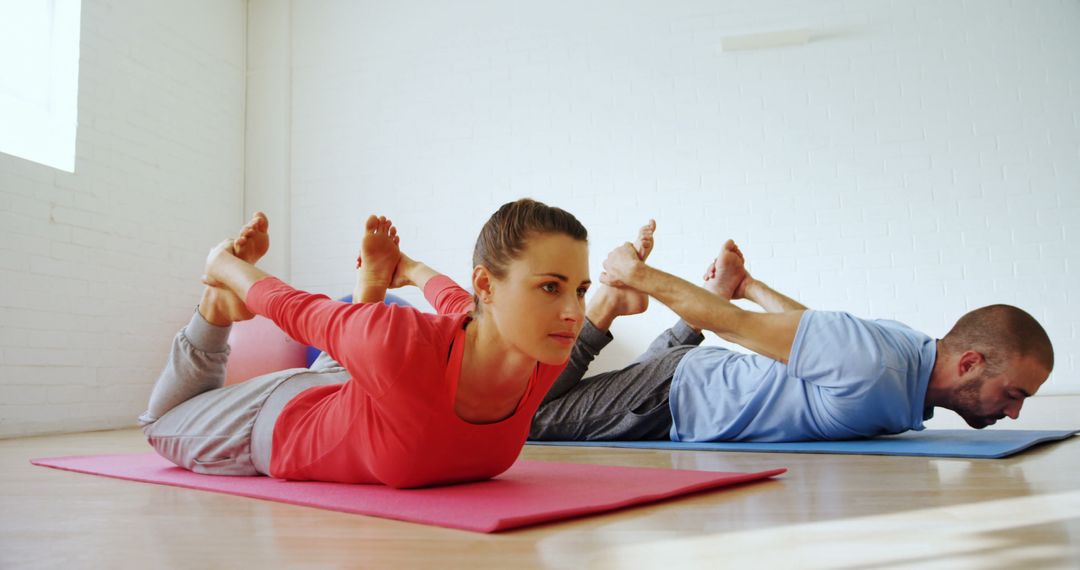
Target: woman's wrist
x,y
228,271
404,273
217,265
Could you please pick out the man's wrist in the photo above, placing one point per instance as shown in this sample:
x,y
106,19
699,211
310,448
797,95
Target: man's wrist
x,y
752,290
638,277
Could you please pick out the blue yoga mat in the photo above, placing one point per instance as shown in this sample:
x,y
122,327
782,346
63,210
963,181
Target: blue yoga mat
x,y
984,444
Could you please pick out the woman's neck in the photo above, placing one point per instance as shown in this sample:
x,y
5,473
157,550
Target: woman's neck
x,y
494,375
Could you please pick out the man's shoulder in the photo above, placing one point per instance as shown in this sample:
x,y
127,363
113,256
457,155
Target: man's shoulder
x,y
844,318
897,329
849,346
893,324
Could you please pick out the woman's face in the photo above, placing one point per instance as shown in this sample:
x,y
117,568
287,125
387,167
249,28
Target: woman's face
x,y
539,304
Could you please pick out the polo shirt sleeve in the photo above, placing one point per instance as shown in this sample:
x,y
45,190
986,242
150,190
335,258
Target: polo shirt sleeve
x,y
837,350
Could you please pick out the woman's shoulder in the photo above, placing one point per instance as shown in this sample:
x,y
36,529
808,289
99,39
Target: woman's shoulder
x,y
434,328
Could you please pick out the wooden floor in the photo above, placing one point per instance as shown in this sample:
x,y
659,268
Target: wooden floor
x,y
827,512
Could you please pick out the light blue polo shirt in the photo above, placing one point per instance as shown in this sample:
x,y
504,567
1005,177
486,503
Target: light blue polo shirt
x,y
847,378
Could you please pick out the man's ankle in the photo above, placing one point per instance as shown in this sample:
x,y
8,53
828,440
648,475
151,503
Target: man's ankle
x,y
601,312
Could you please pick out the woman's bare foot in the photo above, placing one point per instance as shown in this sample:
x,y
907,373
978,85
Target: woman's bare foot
x,y
379,257
254,239
369,229
726,276
612,302
219,305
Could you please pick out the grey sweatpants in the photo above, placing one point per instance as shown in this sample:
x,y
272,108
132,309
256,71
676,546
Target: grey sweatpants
x,y
201,425
626,404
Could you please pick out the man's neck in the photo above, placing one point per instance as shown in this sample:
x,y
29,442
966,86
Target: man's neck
x,y
939,387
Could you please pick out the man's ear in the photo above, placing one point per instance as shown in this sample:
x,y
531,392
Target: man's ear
x,y
969,361
482,283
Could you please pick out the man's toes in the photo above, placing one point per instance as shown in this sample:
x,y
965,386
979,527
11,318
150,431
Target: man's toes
x,y
371,224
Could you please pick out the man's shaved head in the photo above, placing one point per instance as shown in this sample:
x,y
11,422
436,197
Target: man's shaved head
x,y
1000,333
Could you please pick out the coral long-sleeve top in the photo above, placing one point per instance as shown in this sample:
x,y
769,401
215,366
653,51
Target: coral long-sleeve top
x,y
393,421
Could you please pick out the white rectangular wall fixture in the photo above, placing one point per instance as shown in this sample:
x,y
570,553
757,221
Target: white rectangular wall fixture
x,y
765,40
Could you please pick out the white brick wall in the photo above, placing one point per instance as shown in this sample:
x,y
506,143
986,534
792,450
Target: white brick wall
x,y
100,267
917,159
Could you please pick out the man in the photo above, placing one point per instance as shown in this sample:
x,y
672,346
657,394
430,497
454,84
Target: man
x,y
816,375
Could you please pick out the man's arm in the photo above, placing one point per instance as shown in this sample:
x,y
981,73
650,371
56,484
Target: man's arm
x,y
768,334
769,299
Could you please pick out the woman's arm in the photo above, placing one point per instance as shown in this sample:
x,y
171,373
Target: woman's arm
x,y
223,269
446,296
412,272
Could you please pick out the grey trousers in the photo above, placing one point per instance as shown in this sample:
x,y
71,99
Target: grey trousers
x,y
201,425
626,404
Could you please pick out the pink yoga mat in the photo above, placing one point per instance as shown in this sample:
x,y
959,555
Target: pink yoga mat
x,y
529,493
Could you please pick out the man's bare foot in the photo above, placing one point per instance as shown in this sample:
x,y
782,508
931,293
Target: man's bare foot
x,y
726,276
614,302
629,301
644,243
254,239
379,257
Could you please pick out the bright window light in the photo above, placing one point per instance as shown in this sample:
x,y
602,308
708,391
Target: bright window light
x,y
39,80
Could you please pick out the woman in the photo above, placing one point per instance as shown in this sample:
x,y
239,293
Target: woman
x,y
418,399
